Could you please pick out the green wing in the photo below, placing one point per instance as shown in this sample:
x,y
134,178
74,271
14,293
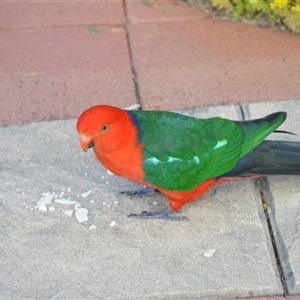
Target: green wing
x,y
181,152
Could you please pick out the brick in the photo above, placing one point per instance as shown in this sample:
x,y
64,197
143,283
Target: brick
x,y
210,62
45,97
30,14
62,49
162,10
56,73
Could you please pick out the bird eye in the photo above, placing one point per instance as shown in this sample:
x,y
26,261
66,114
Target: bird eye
x,y
104,127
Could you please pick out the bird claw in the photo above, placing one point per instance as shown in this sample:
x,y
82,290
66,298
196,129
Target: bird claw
x,y
165,214
158,215
143,192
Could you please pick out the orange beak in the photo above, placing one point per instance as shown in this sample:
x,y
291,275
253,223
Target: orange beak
x,y
86,143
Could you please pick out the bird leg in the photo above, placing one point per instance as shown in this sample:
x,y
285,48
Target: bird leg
x,y
165,214
158,215
143,192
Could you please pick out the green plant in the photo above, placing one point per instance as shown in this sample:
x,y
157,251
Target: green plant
x,y
266,206
288,11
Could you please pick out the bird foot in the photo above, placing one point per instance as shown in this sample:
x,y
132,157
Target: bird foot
x,y
158,215
143,192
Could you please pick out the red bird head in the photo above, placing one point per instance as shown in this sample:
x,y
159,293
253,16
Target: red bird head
x,y
103,127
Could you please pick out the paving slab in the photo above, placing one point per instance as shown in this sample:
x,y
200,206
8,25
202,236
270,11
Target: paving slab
x,y
54,73
30,14
161,10
211,62
48,254
284,195
265,298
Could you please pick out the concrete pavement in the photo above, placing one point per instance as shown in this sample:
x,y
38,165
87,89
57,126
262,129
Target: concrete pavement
x,y
284,197
50,255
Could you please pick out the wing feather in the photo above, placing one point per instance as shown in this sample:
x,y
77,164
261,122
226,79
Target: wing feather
x,y
181,152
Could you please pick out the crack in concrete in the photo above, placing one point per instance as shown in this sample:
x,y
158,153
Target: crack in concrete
x,y
242,112
279,247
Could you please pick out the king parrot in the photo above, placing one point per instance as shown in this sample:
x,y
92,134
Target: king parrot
x,y
181,156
